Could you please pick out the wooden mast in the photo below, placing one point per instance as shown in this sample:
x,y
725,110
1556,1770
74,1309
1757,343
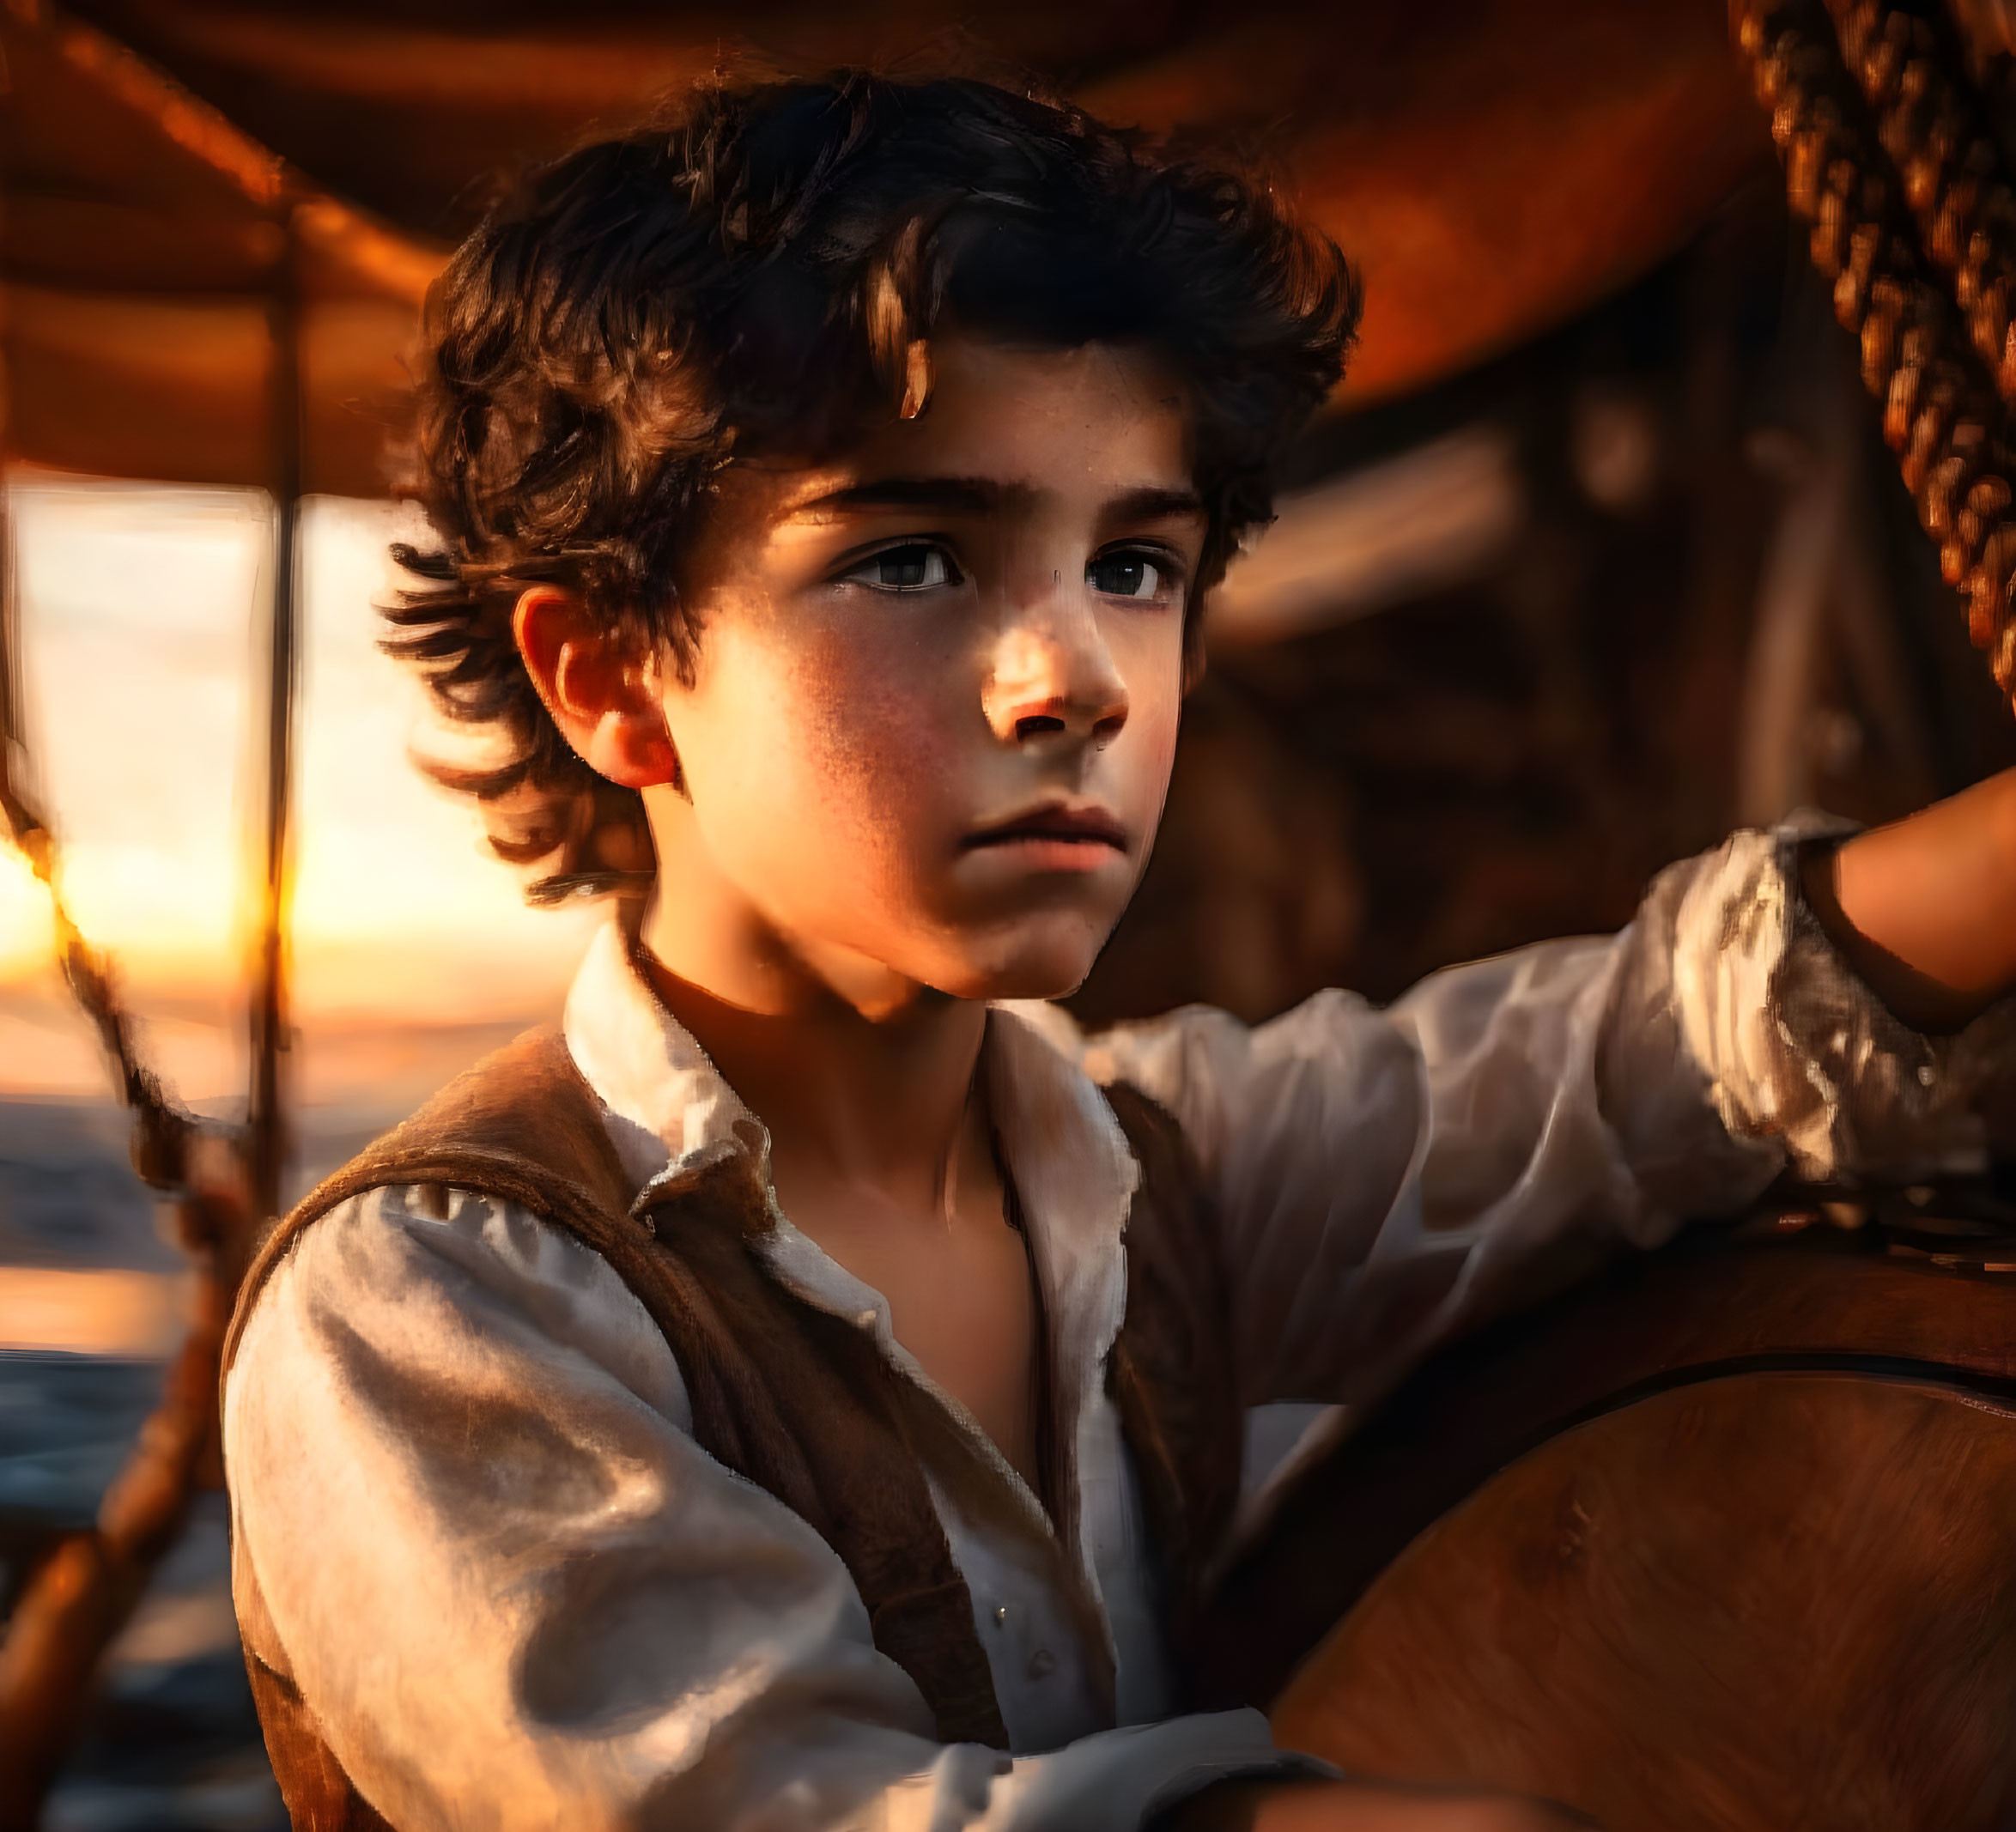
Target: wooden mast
x,y
268,1139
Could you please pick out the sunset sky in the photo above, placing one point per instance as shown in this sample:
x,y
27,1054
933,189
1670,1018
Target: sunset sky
x,y
137,611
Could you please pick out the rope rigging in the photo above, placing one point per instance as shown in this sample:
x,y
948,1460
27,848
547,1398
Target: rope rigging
x,y
1890,156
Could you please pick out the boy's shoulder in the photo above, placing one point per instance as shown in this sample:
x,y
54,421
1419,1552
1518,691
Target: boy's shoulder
x,y
521,1126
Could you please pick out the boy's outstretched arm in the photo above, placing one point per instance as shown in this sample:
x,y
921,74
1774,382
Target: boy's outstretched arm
x,y
1925,909
1385,1178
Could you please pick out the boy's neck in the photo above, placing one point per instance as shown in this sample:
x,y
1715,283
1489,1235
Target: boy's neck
x,y
858,1078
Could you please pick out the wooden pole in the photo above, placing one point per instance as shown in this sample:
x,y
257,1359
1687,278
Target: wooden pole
x,y
269,1134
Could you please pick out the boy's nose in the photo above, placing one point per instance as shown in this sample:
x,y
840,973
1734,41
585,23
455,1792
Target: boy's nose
x,y
1047,678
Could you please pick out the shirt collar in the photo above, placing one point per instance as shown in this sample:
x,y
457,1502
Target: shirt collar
x,y
669,1112
671,1115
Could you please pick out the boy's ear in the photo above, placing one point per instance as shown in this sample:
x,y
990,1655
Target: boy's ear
x,y
602,692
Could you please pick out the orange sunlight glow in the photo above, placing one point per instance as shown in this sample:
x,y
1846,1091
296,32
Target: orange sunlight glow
x,y
141,620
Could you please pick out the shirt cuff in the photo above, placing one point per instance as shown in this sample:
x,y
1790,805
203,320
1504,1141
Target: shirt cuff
x,y
1796,1047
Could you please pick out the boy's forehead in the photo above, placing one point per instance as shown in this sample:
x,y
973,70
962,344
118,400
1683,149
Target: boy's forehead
x,y
1005,429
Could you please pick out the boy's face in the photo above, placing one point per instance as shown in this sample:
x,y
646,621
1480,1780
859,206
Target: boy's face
x,y
937,691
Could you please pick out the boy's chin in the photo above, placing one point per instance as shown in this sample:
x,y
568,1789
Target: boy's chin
x,y
1043,965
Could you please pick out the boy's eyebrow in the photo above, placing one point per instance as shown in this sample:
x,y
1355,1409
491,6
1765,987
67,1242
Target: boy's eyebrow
x,y
980,495
1154,505
955,495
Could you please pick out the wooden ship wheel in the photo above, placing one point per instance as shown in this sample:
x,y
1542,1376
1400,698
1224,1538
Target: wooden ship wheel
x,y
1720,1541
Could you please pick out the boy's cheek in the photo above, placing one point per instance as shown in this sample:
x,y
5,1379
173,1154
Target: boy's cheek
x,y
1153,760
863,784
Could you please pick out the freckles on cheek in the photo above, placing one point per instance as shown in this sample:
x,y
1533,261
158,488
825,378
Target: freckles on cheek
x,y
869,748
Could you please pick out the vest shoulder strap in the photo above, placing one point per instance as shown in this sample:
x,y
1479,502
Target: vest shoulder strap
x,y
522,1125
1172,1374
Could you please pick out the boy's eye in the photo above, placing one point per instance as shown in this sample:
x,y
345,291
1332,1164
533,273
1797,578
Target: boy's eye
x,y
916,566
1130,573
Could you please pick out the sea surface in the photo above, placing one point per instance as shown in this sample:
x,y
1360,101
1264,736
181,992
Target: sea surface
x,y
89,1290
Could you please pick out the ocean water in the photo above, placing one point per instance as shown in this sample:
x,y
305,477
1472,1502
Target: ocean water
x,y
68,1196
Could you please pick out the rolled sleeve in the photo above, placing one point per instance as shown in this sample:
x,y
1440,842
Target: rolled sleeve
x,y
1800,1055
515,1592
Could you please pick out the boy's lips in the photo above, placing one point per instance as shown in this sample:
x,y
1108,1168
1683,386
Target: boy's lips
x,y
1083,829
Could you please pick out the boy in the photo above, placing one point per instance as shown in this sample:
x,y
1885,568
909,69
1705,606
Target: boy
x,y
827,485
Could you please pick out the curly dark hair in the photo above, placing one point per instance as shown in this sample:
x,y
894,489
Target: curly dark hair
x,y
762,270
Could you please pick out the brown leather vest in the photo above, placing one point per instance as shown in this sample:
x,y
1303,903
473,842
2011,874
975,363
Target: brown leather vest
x,y
796,1399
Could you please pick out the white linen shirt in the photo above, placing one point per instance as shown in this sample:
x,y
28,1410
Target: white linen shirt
x,y
516,1592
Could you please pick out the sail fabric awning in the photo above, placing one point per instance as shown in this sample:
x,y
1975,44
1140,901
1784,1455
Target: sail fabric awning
x,y
141,248
1493,165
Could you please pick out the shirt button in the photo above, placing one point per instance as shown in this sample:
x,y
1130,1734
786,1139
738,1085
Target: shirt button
x,y
1000,1615
1042,1663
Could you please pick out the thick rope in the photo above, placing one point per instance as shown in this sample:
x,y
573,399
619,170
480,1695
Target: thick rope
x,y
162,1129
1888,156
